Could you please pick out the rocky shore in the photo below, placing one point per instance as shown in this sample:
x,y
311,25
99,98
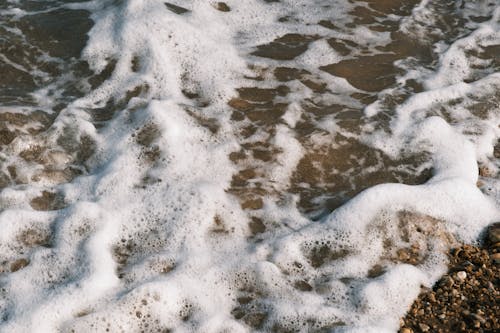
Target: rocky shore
x,y
467,298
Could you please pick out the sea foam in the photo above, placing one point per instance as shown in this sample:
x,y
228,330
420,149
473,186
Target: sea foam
x,y
136,221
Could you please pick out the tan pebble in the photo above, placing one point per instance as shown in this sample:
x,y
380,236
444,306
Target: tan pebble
x,y
403,254
239,104
484,171
479,318
19,264
494,233
223,7
424,327
406,330
495,257
461,275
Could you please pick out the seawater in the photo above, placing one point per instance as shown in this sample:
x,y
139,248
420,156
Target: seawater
x,y
240,166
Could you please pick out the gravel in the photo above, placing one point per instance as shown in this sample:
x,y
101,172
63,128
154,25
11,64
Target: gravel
x,y
467,298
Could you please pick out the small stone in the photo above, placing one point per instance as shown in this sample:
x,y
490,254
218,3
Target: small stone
x,y
484,171
448,282
478,318
223,7
494,233
461,275
19,264
495,257
406,330
403,254
424,327
303,285
239,104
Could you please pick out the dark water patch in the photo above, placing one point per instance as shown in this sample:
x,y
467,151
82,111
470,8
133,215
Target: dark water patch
x,y
327,24
60,32
48,201
342,46
286,47
368,73
326,177
285,74
40,50
252,94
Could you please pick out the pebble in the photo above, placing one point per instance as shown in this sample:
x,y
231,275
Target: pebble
x,y
494,232
496,257
485,171
478,318
424,327
406,330
461,275
223,7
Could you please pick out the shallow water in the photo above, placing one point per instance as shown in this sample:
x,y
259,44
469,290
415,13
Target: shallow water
x,y
284,166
